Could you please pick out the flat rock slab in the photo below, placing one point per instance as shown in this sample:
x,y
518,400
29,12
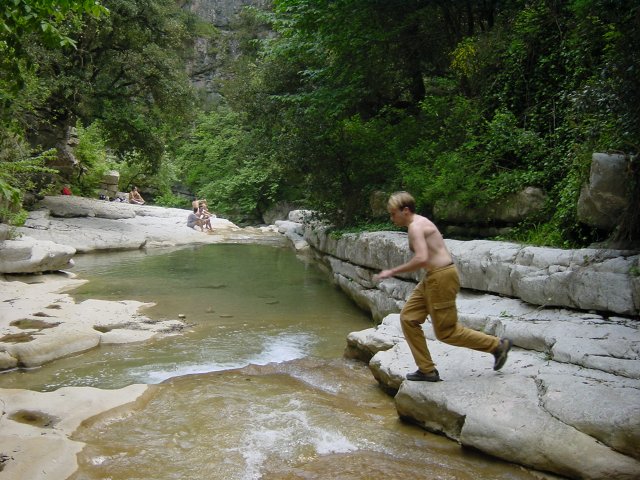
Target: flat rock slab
x,y
44,422
39,323
89,225
26,255
548,415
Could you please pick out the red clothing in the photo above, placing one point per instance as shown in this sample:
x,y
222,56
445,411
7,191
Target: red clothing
x,y
66,191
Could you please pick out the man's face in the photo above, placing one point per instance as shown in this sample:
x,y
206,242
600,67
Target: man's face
x,y
398,216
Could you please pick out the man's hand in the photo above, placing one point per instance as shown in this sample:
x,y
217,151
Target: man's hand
x,y
382,275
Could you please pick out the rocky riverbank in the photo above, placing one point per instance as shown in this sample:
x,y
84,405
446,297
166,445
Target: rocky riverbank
x,y
567,402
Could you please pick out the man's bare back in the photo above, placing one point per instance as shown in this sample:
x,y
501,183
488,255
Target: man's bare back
x,y
437,253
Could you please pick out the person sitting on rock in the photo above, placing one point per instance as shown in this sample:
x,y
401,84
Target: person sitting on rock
x,y
135,197
204,214
66,190
194,220
196,203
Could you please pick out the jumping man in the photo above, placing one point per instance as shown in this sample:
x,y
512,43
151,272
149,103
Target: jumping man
x,y
435,295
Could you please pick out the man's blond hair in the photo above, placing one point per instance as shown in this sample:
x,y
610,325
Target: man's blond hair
x,y
399,200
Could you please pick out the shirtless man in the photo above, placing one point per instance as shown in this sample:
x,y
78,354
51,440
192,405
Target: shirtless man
x,y
435,295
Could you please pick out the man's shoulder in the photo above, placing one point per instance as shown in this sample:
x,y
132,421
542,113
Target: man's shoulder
x,y
424,225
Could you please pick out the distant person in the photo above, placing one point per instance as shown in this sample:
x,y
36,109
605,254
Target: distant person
x,y
66,190
435,295
196,203
194,220
204,214
135,197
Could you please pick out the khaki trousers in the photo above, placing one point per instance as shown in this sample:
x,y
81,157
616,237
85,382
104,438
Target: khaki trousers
x,y
435,295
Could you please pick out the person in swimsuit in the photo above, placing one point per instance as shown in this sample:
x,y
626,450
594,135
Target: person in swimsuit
x,y
135,197
194,220
435,295
205,215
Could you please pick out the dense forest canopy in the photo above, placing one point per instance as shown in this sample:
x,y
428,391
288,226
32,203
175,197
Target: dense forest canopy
x,y
323,103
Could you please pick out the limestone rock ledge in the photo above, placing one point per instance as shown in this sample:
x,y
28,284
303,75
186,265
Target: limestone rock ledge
x,y
39,323
557,417
26,255
90,225
568,399
44,421
585,279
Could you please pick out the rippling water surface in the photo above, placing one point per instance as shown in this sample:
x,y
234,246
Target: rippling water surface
x,y
256,388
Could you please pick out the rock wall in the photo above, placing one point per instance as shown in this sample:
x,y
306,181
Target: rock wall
x,y
584,279
209,56
568,399
604,198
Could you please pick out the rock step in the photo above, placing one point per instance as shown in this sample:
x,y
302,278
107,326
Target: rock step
x,y
556,416
585,339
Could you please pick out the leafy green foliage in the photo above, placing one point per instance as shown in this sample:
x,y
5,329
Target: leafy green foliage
x,y
457,103
21,171
93,163
128,72
221,163
329,101
54,22
125,77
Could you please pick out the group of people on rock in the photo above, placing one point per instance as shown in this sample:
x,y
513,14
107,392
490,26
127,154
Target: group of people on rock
x,y
133,197
201,216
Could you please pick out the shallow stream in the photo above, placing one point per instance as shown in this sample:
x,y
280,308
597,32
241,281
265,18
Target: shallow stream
x,y
255,388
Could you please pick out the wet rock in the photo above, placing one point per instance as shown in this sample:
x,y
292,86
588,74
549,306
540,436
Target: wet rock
x,y
536,411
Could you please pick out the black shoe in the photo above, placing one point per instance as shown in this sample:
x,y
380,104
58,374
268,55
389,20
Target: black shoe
x,y
419,376
501,353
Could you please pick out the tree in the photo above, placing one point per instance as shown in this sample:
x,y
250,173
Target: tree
x,y
127,71
53,21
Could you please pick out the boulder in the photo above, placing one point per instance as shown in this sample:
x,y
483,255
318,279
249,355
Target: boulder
x,y
301,216
604,198
378,204
67,340
73,206
278,211
27,255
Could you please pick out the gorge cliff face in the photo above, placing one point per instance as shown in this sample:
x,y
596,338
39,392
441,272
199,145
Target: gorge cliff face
x,y
210,54
221,13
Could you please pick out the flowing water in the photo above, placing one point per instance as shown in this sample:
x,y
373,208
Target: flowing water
x,y
255,388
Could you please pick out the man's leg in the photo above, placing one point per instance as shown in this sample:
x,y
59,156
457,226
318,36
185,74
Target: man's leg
x,y
413,315
443,286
